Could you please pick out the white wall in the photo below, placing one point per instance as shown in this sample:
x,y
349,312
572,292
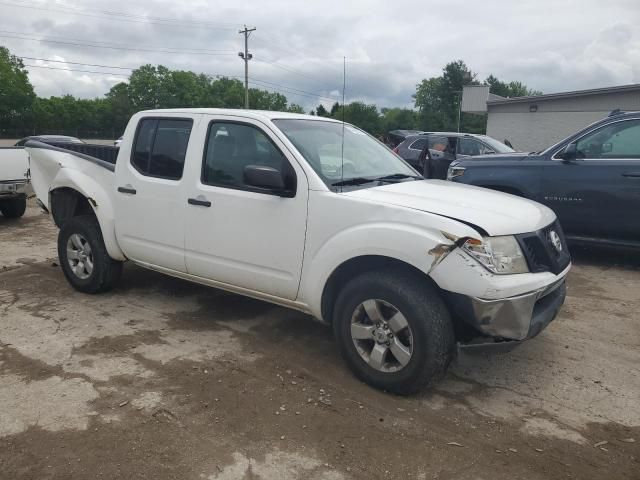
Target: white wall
x,y
554,118
531,132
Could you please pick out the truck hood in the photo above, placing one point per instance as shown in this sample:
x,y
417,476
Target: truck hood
x,y
494,212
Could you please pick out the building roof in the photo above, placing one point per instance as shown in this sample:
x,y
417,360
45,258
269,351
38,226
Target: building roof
x,y
555,96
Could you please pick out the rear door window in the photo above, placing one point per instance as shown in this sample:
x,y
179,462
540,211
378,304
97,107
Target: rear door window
x,y
438,143
160,147
471,147
418,144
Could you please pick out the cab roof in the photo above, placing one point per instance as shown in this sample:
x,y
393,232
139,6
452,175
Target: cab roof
x,y
254,114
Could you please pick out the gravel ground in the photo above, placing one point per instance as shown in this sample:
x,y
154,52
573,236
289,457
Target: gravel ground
x,y
165,379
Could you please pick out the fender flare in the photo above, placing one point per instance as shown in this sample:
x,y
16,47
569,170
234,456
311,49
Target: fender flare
x,y
99,200
420,248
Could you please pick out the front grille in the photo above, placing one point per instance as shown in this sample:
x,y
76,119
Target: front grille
x,y
539,249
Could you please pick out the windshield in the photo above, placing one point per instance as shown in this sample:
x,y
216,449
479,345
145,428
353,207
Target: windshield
x,y
497,146
320,143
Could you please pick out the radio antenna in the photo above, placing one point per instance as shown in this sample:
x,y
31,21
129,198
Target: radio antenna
x,y
344,85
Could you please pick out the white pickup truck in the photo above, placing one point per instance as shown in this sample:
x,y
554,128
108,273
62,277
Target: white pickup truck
x,y
14,166
315,215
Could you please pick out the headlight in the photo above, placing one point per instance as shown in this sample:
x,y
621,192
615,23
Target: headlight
x,y
501,255
454,172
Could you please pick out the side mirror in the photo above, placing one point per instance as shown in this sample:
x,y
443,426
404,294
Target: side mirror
x,y
267,178
570,152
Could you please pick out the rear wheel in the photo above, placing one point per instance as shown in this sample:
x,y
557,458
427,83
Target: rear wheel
x,y
394,331
13,207
84,258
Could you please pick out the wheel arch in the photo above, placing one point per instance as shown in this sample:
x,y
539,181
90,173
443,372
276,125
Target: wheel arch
x,y
67,201
357,266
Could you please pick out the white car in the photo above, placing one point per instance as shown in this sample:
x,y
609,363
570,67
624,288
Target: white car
x,y
315,215
14,166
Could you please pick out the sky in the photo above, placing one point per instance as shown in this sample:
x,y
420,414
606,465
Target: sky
x,y
298,47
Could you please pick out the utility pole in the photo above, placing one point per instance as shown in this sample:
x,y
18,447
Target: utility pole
x,y
246,56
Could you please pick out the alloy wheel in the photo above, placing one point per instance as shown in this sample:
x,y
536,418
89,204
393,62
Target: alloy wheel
x,y
382,336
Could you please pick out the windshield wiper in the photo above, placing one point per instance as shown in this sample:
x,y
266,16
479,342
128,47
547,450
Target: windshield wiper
x,y
399,176
353,181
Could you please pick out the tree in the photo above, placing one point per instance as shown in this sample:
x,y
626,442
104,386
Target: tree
x,y
120,106
438,98
361,115
295,108
397,119
16,92
334,108
321,111
511,89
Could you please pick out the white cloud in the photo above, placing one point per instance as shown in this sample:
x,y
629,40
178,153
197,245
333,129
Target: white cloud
x,y
390,46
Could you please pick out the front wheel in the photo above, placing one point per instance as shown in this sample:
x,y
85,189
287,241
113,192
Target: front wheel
x,y
84,258
13,207
394,331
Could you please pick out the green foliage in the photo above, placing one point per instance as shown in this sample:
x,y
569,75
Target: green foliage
x,y
398,119
361,115
436,100
16,92
148,87
321,111
511,89
295,108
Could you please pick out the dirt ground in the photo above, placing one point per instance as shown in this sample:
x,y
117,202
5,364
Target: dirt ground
x,y
165,379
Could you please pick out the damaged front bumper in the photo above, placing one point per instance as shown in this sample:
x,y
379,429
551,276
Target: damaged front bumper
x,y
510,320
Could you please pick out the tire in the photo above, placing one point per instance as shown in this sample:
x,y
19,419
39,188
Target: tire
x,y
428,335
98,272
13,207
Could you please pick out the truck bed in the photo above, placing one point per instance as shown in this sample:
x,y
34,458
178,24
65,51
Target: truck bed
x,y
106,153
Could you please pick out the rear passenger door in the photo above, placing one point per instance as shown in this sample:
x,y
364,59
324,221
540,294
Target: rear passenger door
x,y
412,153
150,193
237,234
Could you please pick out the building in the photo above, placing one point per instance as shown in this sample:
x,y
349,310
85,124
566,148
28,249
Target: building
x,y
534,123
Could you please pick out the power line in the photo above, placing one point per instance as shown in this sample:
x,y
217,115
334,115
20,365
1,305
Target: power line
x,y
291,70
74,63
77,70
257,83
286,88
113,47
309,56
72,39
292,89
251,82
122,17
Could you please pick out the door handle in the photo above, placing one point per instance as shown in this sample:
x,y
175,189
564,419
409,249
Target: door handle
x,y
631,174
201,201
127,189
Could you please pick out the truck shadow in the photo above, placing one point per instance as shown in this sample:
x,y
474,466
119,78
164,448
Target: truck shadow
x,y
601,256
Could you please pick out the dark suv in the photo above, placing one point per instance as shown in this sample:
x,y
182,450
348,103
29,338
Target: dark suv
x,y
591,180
432,152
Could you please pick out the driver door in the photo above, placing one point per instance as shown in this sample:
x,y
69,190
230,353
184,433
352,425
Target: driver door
x,y
598,193
237,234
